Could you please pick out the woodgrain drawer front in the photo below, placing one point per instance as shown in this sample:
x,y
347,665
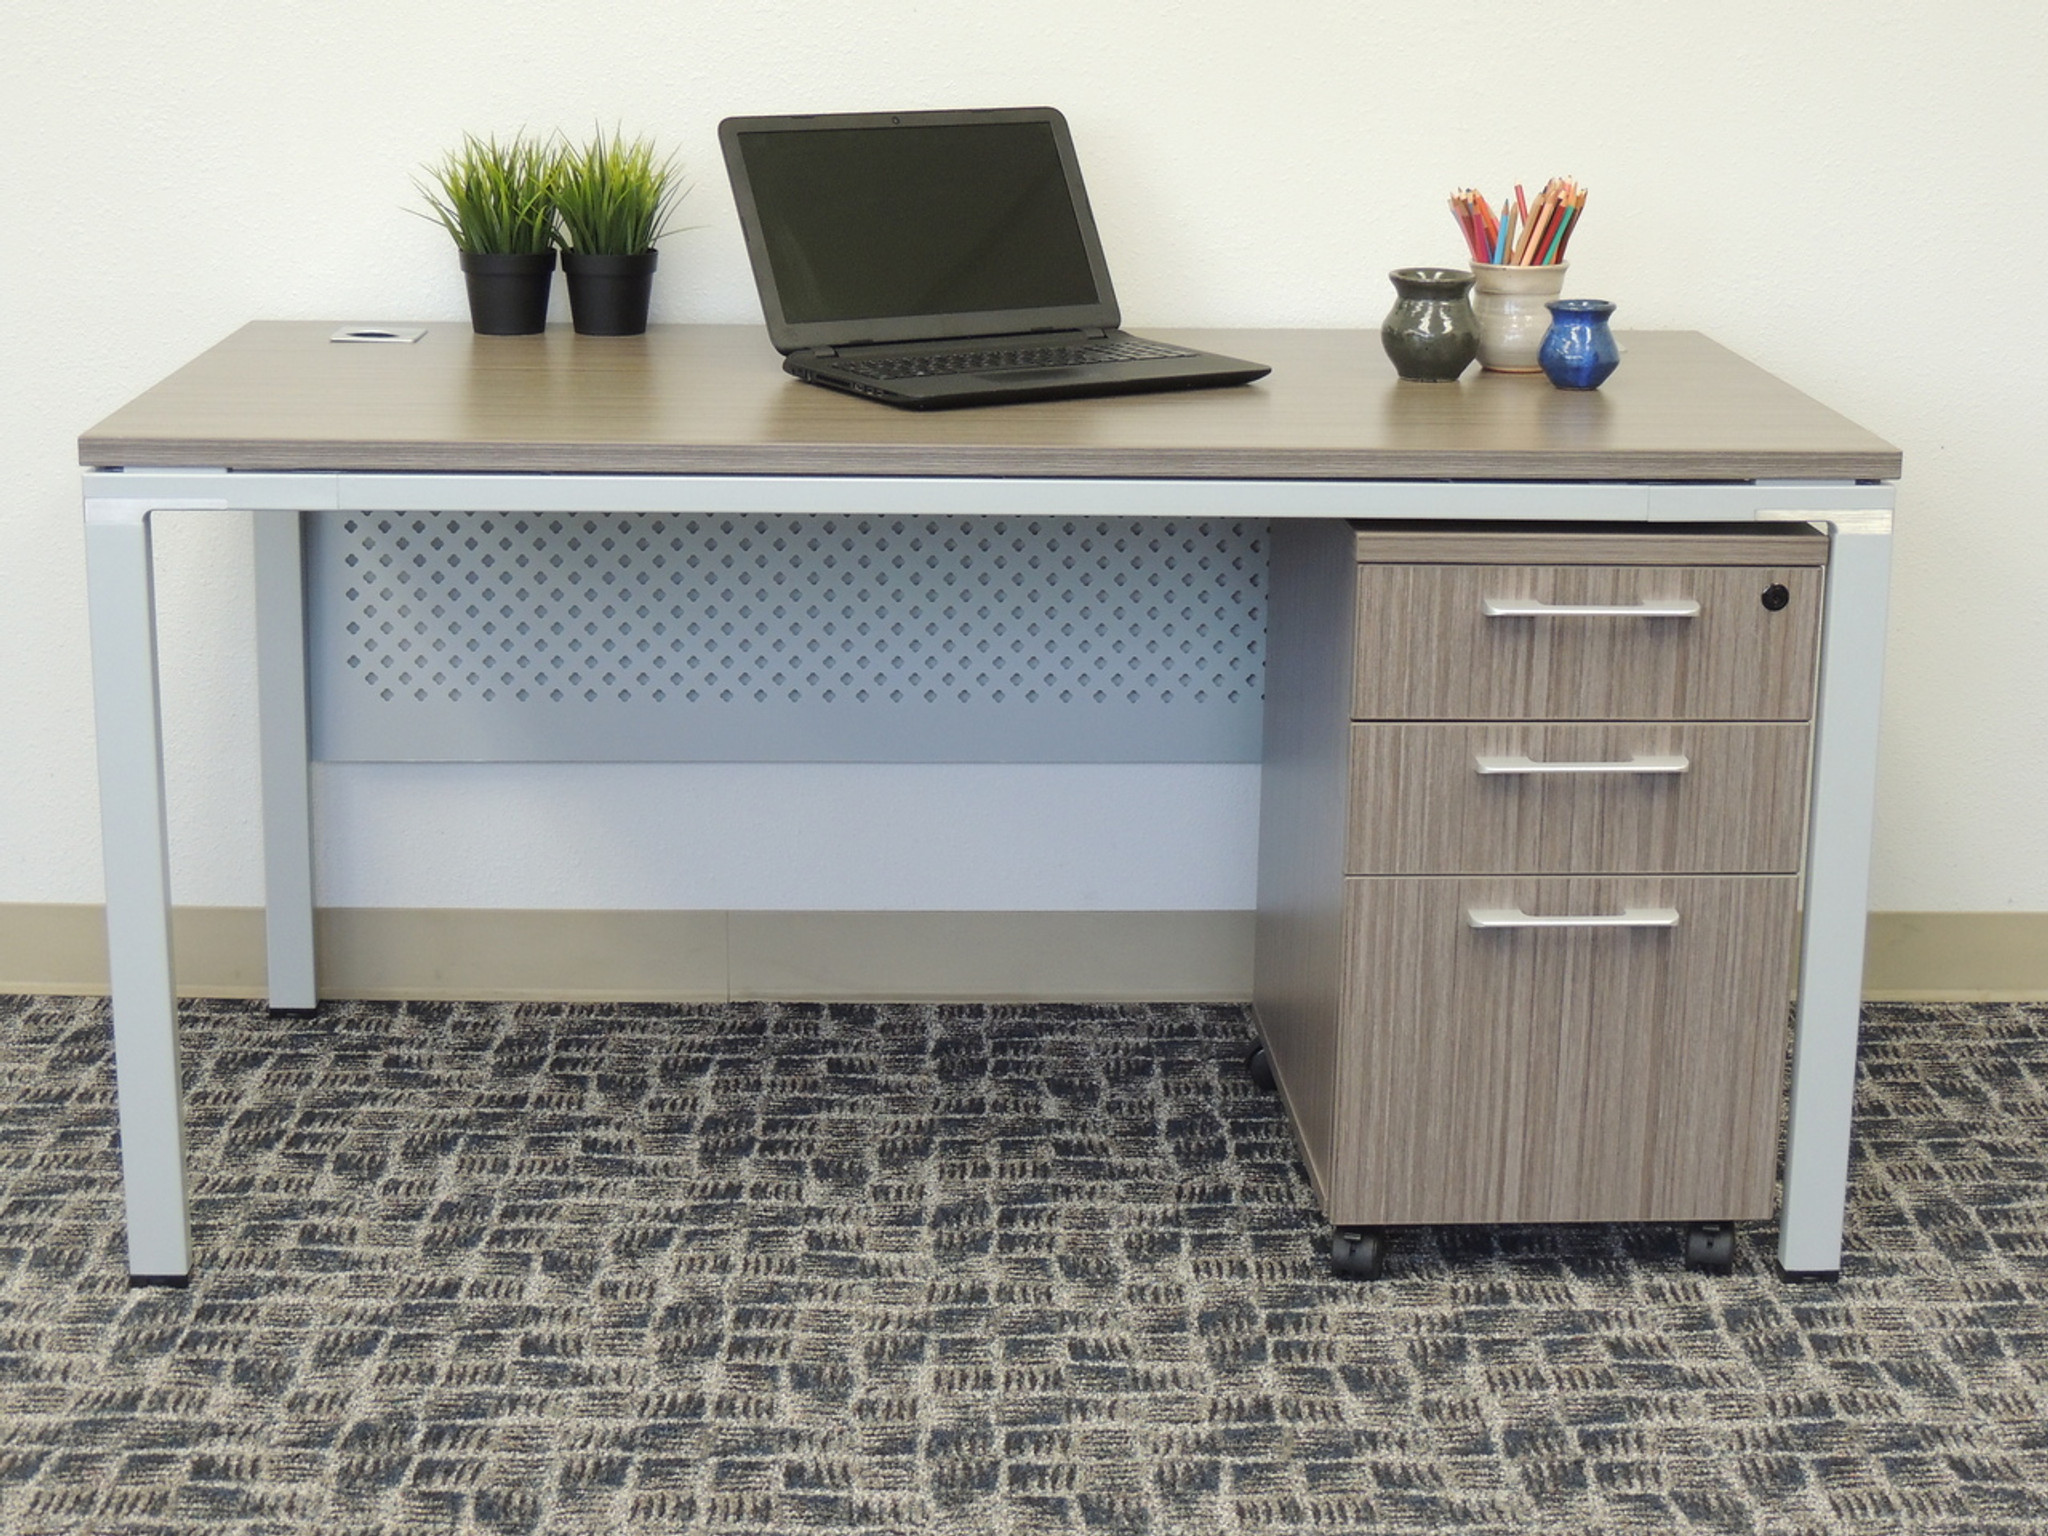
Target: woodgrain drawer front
x,y
1561,642
1643,796
1631,1070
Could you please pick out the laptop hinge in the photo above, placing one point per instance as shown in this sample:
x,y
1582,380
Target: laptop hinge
x,y
824,351
1095,332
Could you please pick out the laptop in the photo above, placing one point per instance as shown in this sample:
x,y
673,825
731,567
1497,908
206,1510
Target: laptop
x,y
931,259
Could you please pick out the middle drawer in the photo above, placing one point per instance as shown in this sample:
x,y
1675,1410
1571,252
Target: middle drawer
x,y
1635,797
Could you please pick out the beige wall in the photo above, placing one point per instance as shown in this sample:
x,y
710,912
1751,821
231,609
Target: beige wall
x,y
1838,192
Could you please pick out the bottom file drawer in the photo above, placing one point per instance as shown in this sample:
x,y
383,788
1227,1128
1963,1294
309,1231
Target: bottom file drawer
x,y
1560,1049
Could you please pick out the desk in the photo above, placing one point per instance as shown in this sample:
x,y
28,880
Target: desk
x,y
278,421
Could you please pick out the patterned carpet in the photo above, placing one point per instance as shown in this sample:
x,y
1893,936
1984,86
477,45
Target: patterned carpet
x,y
959,1269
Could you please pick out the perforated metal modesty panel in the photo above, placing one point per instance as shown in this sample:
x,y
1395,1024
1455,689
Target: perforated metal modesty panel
x,y
629,637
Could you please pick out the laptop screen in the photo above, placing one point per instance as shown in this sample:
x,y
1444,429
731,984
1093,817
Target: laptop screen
x,y
916,226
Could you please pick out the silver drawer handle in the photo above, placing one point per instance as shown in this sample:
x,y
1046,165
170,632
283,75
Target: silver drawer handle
x,y
1628,917
1532,608
1640,763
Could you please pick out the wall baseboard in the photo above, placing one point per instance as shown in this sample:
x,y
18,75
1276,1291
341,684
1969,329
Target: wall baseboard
x,y
604,956
607,956
1957,957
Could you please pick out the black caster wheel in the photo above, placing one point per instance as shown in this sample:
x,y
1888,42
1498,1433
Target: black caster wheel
x,y
1260,1066
1710,1247
1358,1253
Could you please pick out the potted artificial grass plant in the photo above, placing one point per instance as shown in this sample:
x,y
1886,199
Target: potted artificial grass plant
x,y
495,201
614,200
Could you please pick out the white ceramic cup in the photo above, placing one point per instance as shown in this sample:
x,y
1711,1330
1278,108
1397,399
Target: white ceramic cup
x,y
1508,303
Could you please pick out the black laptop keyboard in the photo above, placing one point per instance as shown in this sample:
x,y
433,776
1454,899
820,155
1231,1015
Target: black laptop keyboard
x,y
928,365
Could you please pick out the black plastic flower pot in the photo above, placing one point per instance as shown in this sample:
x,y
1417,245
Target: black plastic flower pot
x,y
508,292
608,294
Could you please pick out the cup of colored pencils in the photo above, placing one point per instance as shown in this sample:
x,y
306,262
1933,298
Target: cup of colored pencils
x,y
1518,266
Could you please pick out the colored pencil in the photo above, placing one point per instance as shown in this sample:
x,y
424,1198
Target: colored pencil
x,y
1564,222
1461,210
1521,234
1539,227
1578,208
1489,222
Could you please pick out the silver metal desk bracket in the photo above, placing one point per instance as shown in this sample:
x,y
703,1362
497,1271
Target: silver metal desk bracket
x,y
942,496
1841,813
121,607
118,506
135,839
287,796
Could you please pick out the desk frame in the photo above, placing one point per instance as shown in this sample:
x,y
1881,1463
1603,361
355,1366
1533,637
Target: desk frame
x,y
121,503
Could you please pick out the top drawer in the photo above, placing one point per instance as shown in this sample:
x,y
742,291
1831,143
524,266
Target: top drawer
x,y
1647,642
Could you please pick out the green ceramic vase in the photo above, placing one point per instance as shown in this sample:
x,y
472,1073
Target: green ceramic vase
x,y
1429,333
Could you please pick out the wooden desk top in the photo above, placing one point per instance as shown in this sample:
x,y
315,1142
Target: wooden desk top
x,y
714,400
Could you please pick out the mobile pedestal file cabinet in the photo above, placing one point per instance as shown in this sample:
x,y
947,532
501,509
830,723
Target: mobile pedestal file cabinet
x,y
1530,834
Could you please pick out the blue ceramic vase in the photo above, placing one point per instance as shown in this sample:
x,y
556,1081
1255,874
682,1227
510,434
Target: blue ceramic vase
x,y
1578,350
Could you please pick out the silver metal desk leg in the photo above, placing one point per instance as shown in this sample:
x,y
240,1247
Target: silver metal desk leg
x,y
1837,895
121,602
287,809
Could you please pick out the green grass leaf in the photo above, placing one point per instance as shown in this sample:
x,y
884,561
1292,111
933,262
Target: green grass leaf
x,y
615,198
494,197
